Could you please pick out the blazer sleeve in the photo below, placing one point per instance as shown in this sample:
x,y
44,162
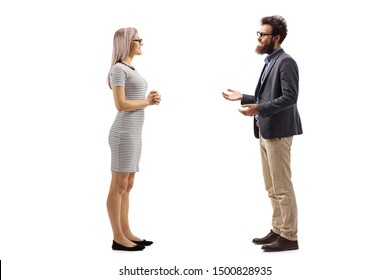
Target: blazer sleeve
x,y
247,99
288,96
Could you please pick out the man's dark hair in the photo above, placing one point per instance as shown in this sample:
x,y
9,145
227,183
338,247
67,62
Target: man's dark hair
x,y
279,25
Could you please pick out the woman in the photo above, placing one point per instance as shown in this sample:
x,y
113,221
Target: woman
x,y
129,90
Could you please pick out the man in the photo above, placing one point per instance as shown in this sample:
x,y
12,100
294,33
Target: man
x,y
276,121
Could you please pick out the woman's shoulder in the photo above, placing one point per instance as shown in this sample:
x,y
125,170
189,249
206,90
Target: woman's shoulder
x,y
118,66
120,69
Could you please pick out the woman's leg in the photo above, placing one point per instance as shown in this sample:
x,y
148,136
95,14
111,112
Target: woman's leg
x,y
125,205
118,189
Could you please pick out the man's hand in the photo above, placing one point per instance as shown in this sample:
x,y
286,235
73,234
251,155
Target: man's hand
x,y
234,96
250,110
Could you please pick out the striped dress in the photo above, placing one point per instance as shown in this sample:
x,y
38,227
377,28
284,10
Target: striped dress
x,y
125,137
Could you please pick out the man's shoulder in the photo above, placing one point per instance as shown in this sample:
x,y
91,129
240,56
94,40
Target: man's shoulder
x,y
284,55
285,58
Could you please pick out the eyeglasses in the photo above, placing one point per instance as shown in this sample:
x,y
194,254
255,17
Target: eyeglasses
x,y
262,34
138,40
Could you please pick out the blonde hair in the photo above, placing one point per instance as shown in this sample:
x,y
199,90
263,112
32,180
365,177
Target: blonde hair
x,y
121,46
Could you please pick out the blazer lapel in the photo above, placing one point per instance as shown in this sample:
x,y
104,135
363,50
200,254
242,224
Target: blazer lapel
x,y
272,63
257,91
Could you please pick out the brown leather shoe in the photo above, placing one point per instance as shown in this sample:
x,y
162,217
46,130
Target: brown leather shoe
x,y
269,238
280,244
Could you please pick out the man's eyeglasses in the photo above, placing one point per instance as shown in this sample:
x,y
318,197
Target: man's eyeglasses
x,y
262,34
138,40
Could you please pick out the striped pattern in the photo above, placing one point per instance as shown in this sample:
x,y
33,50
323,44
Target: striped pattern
x,y
125,136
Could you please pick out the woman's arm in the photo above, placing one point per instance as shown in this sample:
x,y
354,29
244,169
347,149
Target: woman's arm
x,y
122,104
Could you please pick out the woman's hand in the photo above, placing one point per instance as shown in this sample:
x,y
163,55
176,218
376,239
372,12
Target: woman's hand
x,y
153,97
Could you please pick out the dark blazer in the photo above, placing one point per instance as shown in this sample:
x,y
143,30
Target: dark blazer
x,y
277,99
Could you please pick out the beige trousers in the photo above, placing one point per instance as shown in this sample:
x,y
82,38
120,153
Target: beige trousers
x,y
275,157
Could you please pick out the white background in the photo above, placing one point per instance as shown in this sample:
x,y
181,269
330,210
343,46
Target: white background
x,y
199,195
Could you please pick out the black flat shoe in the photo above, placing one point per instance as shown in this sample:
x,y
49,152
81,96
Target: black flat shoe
x,y
269,238
281,244
143,242
118,247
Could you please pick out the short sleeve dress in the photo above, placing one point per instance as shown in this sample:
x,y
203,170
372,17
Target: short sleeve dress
x,y
125,137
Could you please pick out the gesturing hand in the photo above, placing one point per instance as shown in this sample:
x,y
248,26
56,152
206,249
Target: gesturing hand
x,y
234,96
249,110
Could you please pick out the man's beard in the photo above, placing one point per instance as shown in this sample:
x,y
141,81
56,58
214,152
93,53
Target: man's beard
x,y
268,49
